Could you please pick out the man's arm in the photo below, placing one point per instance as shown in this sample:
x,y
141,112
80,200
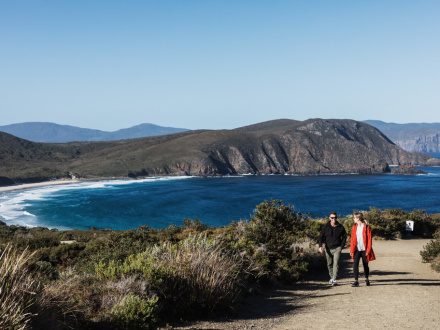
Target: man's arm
x,y
321,236
321,239
344,237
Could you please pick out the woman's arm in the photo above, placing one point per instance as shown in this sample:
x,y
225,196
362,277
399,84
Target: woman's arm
x,y
369,240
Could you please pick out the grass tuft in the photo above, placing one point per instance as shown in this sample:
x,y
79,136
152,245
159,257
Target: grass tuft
x,y
17,289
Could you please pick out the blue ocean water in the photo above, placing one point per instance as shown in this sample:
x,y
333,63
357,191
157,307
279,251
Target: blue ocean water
x,y
125,204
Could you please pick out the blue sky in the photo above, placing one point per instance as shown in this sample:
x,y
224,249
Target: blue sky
x,y
218,64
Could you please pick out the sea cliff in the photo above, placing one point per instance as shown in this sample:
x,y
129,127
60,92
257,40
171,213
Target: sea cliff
x,y
314,146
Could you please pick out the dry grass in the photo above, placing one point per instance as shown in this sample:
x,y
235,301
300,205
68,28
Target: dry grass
x,y
197,274
17,289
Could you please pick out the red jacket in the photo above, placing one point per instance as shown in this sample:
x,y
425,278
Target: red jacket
x,y
366,233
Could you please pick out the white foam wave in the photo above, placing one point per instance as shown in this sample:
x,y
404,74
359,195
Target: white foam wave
x,y
30,214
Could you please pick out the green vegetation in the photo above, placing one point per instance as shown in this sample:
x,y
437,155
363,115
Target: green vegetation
x,y
392,223
135,278
431,252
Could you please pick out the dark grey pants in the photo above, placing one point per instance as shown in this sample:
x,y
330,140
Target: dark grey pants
x,y
333,261
360,255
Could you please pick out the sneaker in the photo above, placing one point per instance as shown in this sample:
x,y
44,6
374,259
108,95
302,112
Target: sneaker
x,y
334,283
331,281
367,282
355,284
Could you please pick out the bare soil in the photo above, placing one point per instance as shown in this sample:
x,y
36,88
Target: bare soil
x,y
404,294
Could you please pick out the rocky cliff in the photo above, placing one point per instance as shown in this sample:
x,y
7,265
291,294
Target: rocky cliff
x,y
314,146
420,137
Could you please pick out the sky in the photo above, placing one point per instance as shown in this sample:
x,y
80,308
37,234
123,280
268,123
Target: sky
x,y
218,64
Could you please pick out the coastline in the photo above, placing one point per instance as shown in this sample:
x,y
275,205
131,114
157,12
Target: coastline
x,y
23,186
38,184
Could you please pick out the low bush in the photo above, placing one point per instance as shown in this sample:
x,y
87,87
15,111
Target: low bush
x,y
274,238
392,223
197,275
435,263
133,312
431,252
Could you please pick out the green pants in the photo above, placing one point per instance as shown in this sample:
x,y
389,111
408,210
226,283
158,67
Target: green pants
x,y
333,261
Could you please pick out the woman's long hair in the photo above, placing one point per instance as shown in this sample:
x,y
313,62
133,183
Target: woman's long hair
x,y
360,216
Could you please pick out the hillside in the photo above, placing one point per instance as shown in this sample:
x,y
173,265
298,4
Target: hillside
x,y
418,137
54,133
314,146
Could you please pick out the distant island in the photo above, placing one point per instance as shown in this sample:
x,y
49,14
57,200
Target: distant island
x,y
314,146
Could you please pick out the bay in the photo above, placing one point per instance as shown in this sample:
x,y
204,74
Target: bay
x,y
158,202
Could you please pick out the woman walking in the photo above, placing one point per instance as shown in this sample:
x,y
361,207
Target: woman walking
x,y
360,247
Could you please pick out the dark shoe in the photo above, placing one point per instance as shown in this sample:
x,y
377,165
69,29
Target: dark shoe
x,y
355,284
367,282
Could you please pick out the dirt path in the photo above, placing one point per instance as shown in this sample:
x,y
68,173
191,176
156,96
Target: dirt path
x,y
404,294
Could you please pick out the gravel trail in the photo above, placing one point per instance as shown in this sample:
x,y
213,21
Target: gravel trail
x,y
404,294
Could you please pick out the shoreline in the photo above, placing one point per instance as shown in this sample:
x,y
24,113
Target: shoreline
x,y
24,186
38,184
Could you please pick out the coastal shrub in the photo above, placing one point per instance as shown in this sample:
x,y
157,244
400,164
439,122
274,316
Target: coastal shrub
x,y
86,301
17,289
313,228
392,223
34,241
61,304
194,224
270,238
348,222
424,224
435,263
197,275
386,224
46,271
431,251
133,312
205,276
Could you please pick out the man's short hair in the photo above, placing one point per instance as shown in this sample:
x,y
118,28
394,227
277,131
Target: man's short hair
x,y
334,213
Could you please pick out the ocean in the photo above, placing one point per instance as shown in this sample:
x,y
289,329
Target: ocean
x,y
216,201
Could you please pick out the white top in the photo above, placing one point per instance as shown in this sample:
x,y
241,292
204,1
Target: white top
x,y
360,238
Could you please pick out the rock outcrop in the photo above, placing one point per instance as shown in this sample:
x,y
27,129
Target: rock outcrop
x,y
406,169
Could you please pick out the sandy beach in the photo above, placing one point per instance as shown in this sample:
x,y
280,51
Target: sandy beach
x,y
38,184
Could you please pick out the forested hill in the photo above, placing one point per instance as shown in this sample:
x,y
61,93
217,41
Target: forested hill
x,y
314,146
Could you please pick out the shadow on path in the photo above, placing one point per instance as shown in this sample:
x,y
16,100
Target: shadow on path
x,y
279,300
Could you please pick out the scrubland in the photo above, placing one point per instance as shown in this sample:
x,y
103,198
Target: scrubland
x,y
143,278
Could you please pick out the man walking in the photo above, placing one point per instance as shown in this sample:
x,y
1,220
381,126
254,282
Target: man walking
x,y
333,234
